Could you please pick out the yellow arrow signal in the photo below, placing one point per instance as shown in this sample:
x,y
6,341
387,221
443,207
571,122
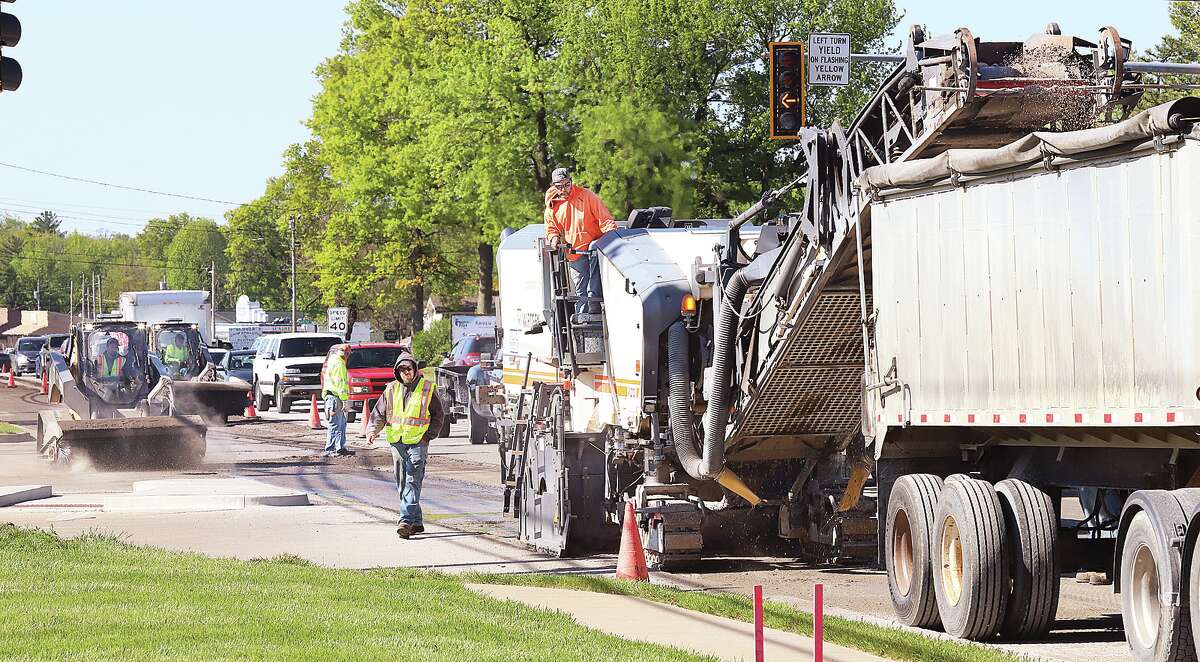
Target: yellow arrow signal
x,y
789,100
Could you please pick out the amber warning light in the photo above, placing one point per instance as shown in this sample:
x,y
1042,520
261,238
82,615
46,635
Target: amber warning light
x,y
688,305
787,84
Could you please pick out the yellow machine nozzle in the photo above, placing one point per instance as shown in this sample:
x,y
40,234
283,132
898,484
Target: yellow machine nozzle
x,y
731,482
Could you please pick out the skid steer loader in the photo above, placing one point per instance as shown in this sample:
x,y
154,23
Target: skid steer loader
x,y
195,388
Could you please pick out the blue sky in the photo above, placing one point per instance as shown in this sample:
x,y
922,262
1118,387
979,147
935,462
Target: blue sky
x,y
201,98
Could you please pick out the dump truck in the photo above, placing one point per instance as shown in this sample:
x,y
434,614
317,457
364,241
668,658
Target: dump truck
x,y
117,403
180,347
971,354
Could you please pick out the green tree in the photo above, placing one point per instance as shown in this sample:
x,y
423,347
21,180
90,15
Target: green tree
x,y
158,234
196,246
46,222
1184,48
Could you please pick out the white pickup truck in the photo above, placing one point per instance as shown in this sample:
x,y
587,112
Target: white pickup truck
x,y
287,368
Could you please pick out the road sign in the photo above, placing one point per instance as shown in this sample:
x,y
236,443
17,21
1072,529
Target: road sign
x,y
462,326
787,89
828,58
337,320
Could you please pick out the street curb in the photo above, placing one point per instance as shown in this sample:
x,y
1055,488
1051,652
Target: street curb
x,y
189,502
21,493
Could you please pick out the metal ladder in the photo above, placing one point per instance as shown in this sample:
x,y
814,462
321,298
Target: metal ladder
x,y
579,338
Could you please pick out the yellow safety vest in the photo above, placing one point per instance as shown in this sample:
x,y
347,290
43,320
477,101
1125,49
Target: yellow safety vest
x,y
173,354
408,424
110,369
337,379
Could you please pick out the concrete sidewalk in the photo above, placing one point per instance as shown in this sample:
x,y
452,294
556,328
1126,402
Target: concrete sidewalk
x,y
630,618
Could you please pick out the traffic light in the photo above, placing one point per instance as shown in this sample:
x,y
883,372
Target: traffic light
x,y
787,89
10,34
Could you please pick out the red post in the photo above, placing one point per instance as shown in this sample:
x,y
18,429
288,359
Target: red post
x,y
818,622
758,624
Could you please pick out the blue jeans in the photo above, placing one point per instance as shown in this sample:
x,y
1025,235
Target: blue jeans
x,y
587,280
409,463
335,413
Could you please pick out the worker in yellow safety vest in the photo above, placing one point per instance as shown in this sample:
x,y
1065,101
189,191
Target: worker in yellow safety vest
x,y
175,355
110,363
410,414
335,392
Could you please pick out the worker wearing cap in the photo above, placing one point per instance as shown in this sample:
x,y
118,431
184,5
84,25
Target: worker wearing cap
x,y
336,393
110,363
410,414
577,217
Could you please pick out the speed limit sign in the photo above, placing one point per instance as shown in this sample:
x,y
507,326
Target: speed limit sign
x,y
338,320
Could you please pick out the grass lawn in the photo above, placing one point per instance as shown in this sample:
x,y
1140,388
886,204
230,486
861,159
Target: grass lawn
x,y
96,598
9,428
885,642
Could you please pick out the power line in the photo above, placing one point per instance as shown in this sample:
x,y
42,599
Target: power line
x,y
119,186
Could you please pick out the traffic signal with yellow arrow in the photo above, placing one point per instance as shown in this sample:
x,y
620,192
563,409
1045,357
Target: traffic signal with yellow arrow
x,y
787,89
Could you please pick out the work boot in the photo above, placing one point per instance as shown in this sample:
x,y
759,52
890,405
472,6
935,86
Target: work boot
x,y
420,528
404,531
345,453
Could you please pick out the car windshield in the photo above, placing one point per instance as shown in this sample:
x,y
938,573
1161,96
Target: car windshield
x,y
29,344
241,361
293,347
373,357
55,341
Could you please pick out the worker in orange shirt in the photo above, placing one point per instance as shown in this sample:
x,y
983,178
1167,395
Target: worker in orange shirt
x,y
577,217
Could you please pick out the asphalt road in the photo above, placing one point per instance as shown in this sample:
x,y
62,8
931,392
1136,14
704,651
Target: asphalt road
x,y
461,491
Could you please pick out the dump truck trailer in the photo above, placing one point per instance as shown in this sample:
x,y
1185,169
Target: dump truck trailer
x,y
980,321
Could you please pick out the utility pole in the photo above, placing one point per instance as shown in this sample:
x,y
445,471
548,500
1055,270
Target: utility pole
x,y
212,302
100,291
292,232
70,302
37,295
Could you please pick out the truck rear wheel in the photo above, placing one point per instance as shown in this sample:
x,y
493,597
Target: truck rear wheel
x,y
1032,525
908,547
476,425
1155,631
970,577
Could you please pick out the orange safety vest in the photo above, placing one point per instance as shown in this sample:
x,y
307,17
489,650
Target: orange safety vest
x,y
111,369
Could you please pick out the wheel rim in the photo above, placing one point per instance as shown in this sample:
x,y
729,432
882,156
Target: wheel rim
x,y
902,553
1143,597
952,561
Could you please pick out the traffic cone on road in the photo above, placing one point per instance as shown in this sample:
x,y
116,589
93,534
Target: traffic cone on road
x,y
250,412
314,418
366,425
631,562
45,383
12,379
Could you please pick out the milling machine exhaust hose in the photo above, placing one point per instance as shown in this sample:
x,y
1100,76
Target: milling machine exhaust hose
x,y
679,401
710,464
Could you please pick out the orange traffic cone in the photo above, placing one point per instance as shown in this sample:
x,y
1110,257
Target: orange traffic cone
x,y
366,426
314,418
45,383
631,562
250,412
12,379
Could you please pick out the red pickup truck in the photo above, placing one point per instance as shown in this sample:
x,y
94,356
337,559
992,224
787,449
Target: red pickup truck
x,y
369,365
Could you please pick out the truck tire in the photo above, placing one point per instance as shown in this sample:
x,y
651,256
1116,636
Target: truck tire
x,y
281,403
261,401
1032,524
1155,631
908,548
970,562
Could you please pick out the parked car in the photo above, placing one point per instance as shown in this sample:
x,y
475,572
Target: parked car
x,y
55,341
287,367
237,365
369,365
468,350
28,354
